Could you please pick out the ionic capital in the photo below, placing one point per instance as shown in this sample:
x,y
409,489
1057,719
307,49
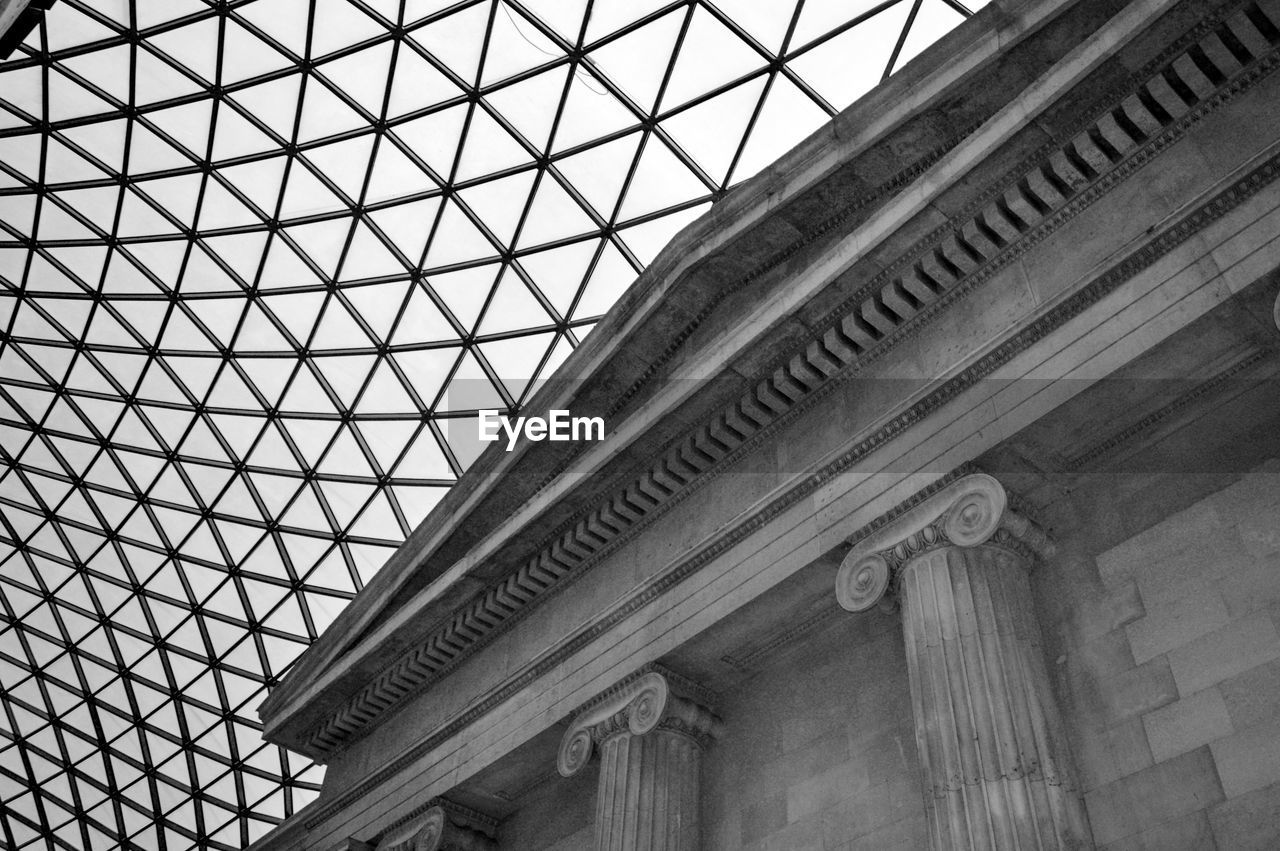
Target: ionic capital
x,y
652,698
970,511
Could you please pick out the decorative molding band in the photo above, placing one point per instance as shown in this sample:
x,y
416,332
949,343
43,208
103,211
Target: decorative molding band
x,y
969,512
649,699
746,662
1205,388
1221,57
1164,242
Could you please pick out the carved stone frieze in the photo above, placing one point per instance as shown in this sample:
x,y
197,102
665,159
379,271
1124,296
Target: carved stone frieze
x,y
970,511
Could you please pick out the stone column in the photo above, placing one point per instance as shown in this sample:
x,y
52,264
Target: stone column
x,y
993,753
650,730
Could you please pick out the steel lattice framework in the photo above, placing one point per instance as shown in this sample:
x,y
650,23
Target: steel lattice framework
x,y
247,251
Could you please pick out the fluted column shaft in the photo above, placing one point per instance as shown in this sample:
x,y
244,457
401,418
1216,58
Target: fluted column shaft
x,y
647,798
991,743
993,755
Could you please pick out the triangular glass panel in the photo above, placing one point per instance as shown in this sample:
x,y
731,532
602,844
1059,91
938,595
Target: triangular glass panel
x,y
558,273
345,163
599,172
157,80
195,45
661,180
325,114
340,27
435,137
554,215
259,180
648,238
765,22
362,74
253,56
788,117
500,204
637,62
306,195
711,132
933,20
607,18
489,148
237,136
322,241
395,175
512,308
456,40
427,370
531,105
286,22
563,16
274,102
515,45
408,225
457,240
422,322
417,84
850,64
710,56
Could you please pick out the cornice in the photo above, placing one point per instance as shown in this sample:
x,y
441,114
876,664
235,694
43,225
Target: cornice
x,y
1057,184
1163,242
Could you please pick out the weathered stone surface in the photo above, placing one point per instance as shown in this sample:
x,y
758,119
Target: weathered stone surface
x,y
1186,724
1152,797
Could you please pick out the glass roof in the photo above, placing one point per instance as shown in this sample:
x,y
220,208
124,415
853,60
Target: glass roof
x,y
247,249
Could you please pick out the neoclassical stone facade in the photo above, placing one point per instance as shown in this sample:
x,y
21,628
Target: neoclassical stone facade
x,y
994,356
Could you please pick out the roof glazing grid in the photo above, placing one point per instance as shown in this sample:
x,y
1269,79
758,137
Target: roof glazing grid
x,y
246,248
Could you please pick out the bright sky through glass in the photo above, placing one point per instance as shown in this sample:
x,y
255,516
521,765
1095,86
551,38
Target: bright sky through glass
x,y
246,250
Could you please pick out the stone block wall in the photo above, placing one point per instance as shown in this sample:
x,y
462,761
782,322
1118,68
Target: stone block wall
x,y
820,748
1166,645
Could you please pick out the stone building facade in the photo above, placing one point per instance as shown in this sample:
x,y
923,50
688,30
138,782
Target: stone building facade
x,y
939,506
